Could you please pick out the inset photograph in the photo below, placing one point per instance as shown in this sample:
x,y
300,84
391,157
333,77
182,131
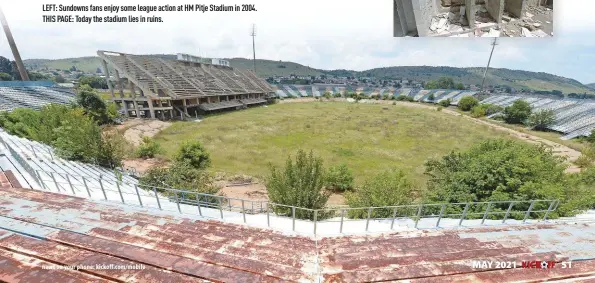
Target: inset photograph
x,y
473,18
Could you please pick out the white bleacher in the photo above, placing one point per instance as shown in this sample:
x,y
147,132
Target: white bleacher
x,y
458,97
32,97
421,94
281,93
449,95
291,91
436,95
509,101
315,91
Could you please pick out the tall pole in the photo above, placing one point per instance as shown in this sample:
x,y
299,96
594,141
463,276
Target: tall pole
x,y
253,34
13,47
494,43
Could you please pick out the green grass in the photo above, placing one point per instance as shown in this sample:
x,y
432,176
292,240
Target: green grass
x,y
365,136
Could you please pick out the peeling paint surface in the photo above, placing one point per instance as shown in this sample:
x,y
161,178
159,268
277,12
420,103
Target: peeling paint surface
x,y
41,233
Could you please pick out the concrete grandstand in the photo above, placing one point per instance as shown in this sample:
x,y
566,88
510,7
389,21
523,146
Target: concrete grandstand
x,y
163,88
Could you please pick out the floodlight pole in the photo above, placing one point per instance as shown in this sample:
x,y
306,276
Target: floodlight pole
x,y
253,34
494,43
13,48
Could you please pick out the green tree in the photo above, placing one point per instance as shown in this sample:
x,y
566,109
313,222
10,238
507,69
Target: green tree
x,y
467,103
5,77
389,188
95,106
431,97
194,154
299,184
93,81
497,170
460,86
518,112
541,119
339,178
59,79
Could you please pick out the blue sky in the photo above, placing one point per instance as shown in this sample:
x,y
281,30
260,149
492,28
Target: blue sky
x,y
328,34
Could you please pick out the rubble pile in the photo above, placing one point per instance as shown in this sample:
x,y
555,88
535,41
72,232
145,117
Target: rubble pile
x,y
536,22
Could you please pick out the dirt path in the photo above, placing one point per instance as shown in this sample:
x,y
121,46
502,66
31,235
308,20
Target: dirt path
x,y
558,149
136,129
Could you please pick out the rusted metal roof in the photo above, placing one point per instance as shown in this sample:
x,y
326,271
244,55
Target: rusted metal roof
x,y
40,230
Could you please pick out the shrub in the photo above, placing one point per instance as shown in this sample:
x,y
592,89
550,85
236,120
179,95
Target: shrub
x,y
467,103
194,154
148,148
445,103
389,188
112,149
300,184
404,98
181,176
583,161
478,111
431,97
339,178
439,108
327,95
541,119
517,113
337,94
497,170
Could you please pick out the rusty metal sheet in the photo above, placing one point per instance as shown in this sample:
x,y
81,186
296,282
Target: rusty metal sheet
x,y
17,268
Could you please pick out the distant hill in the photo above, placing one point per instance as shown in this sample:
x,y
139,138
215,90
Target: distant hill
x,y
265,68
592,86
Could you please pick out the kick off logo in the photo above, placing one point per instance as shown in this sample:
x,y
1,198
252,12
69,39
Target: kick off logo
x,y
538,264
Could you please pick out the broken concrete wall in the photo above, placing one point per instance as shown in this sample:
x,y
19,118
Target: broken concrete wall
x,y
423,10
516,7
495,8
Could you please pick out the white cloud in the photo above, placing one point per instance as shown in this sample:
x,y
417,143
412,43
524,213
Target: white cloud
x,y
329,34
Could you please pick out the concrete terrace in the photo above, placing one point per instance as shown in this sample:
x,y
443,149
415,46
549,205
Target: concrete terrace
x,y
40,231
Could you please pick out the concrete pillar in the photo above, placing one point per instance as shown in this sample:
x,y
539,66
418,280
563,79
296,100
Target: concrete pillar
x,y
185,106
400,26
121,89
470,11
516,7
151,109
133,93
496,9
423,11
109,83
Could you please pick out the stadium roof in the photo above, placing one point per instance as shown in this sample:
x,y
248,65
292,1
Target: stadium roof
x,y
41,231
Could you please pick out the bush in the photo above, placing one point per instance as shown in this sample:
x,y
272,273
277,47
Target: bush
x,y
404,98
583,161
439,108
431,97
194,154
337,94
299,184
497,170
478,111
467,103
389,188
148,148
517,113
181,176
541,119
339,178
445,103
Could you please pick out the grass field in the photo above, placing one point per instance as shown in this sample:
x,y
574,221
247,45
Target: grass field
x,y
368,138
